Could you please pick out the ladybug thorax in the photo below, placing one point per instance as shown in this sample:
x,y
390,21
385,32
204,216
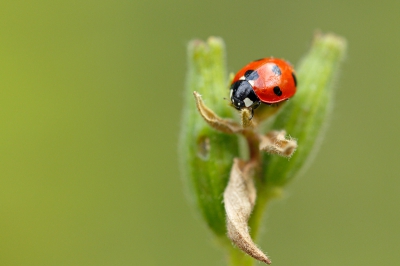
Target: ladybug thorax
x,y
242,92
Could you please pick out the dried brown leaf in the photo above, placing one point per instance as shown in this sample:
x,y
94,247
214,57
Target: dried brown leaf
x,y
239,199
218,123
275,142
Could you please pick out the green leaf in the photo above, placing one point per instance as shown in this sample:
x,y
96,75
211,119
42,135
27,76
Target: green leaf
x,y
306,115
206,154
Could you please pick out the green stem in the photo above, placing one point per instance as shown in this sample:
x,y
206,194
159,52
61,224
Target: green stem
x,y
264,197
238,258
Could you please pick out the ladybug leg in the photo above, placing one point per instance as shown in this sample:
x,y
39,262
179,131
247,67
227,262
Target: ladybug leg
x,y
252,113
255,106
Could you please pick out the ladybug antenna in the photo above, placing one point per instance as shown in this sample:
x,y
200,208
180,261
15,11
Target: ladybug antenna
x,y
229,102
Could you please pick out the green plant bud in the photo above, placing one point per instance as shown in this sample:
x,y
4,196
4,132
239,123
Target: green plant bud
x,y
306,115
207,154
209,145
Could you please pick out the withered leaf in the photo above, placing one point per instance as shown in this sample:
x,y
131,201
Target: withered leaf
x,y
218,123
239,199
275,142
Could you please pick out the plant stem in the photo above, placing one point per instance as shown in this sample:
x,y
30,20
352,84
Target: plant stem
x,y
238,258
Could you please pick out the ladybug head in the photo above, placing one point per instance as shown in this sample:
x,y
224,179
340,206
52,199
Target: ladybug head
x,y
242,95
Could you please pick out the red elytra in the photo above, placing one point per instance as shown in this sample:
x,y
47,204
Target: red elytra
x,y
273,80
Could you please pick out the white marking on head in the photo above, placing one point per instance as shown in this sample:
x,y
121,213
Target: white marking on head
x,y
251,82
239,103
248,102
242,78
230,96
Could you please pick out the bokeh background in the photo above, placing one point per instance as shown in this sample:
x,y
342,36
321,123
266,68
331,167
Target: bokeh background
x,y
90,109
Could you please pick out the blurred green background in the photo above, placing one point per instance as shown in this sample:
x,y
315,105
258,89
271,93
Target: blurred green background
x,y
90,107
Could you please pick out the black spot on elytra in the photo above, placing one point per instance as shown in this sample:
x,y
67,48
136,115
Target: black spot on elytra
x,y
277,91
276,70
294,78
251,75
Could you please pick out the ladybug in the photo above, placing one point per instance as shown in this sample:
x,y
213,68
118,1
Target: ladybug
x,y
268,80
